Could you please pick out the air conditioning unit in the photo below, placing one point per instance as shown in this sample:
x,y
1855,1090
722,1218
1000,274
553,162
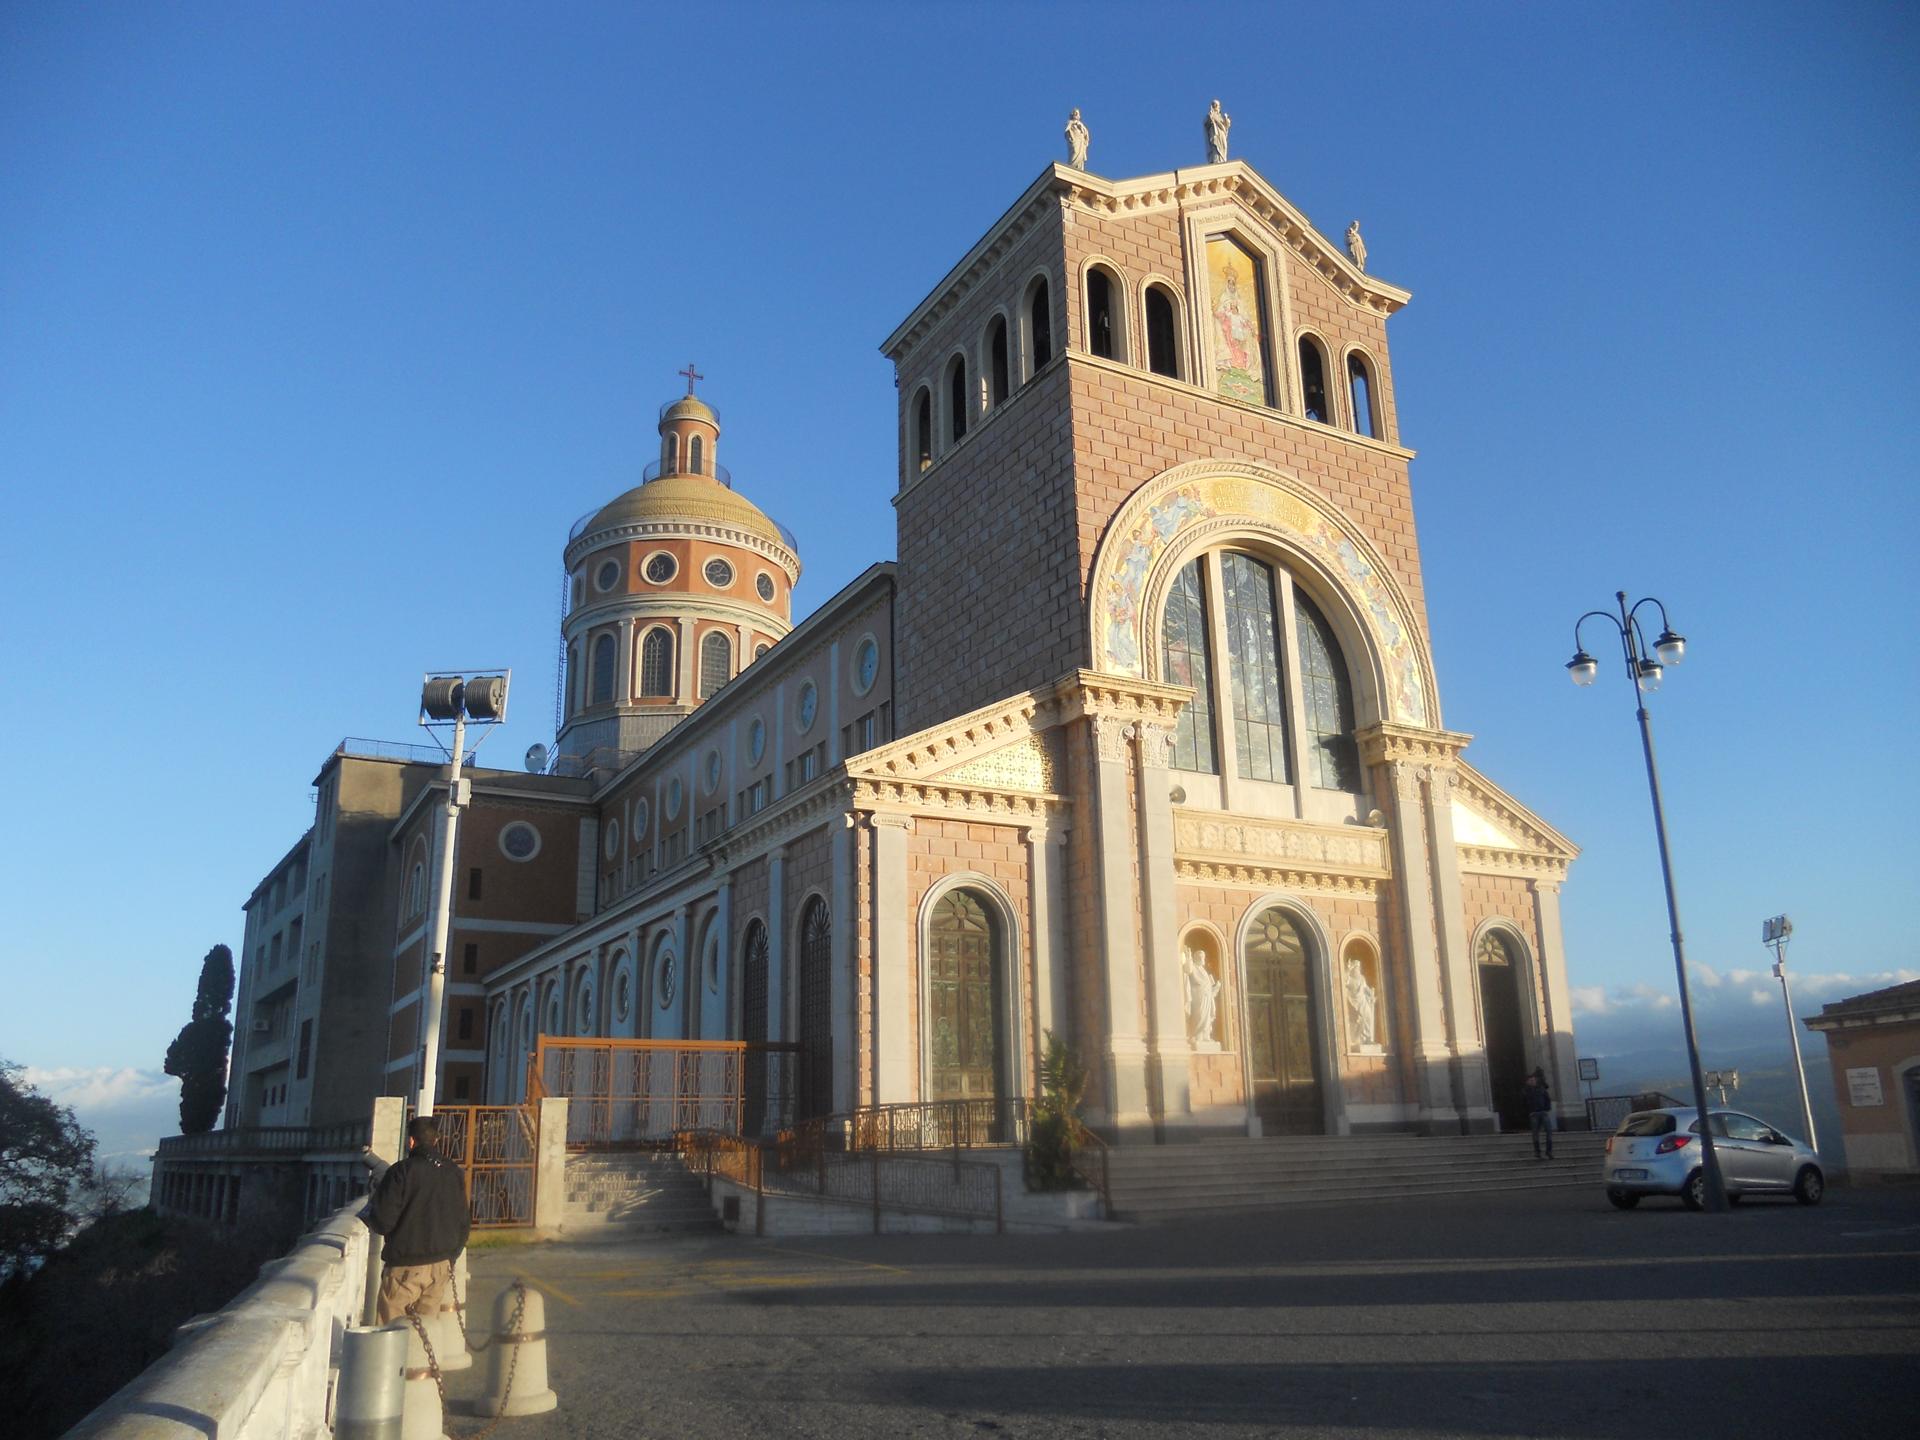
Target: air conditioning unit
x,y
262,1027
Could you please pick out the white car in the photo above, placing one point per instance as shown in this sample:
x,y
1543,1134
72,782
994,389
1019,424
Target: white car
x,y
1657,1152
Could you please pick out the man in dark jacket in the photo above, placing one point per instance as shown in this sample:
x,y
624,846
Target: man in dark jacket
x,y
1539,1110
420,1205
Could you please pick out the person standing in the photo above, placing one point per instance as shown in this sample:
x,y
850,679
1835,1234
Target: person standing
x,y
1539,1110
420,1206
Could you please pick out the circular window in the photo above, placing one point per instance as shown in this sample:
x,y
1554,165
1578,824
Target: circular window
x,y
622,995
764,584
613,838
713,769
663,979
756,740
673,798
519,841
640,817
719,573
607,576
866,664
807,707
661,567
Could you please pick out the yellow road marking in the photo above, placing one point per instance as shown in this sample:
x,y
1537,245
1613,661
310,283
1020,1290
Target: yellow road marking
x,y
841,1259
658,1292
548,1287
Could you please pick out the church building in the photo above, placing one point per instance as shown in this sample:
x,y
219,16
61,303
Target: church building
x,y
1138,741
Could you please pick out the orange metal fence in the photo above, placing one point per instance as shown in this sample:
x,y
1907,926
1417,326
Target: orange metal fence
x,y
627,1093
495,1146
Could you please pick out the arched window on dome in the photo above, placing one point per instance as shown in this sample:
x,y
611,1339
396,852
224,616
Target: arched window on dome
x,y
999,370
672,456
1163,333
696,455
922,438
602,671
716,663
1313,380
1360,381
956,398
656,663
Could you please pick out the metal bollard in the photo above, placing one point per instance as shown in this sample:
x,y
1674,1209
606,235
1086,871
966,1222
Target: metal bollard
x,y
371,1392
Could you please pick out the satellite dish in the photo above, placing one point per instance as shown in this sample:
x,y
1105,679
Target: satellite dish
x,y
536,759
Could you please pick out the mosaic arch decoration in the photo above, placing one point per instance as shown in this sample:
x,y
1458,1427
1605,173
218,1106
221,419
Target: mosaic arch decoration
x,y
1157,515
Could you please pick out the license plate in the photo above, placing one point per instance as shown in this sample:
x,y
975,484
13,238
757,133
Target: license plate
x,y
1629,1174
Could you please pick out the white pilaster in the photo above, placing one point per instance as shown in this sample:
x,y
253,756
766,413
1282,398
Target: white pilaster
x,y
893,1039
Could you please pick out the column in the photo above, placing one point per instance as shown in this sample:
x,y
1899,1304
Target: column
x,y
1456,957
1433,1055
680,1013
684,663
843,973
1166,983
1560,1057
777,943
718,1018
1047,905
893,1038
1125,1061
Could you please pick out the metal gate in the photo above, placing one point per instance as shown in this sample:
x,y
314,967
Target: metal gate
x,y
494,1146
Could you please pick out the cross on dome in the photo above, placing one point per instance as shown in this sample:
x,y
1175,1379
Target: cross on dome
x,y
691,374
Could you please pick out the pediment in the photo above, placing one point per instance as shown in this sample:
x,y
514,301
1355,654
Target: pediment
x,y
1493,830
998,747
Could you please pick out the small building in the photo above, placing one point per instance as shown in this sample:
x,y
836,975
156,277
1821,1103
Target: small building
x,y
1873,1044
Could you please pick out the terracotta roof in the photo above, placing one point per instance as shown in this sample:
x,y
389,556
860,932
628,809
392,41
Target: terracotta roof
x,y
1895,1000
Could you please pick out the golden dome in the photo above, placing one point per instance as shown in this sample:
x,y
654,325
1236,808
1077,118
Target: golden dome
x,y
689,407
698,498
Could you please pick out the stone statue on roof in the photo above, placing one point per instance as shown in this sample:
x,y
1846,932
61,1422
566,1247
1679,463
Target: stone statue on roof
x,y
1077,138
1356,247
1218,122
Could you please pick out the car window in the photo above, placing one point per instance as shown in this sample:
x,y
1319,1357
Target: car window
x,y
1647,1122
1718,1122
1744,1127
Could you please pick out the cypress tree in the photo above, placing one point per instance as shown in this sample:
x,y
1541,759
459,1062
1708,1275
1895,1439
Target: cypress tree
x,y
198,1054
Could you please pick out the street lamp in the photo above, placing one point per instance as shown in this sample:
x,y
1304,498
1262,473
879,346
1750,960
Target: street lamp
x,y
444,697
1646,664
1776,932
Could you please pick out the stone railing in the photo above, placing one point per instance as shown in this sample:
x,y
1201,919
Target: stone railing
x,y
260,1367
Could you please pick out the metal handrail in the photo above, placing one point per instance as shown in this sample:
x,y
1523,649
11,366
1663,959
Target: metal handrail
x,y
923,1125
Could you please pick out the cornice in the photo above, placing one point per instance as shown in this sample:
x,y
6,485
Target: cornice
x,y
974,802
1537,836
1387,744
674,605
938,748
1497,860
1084,694
1269,877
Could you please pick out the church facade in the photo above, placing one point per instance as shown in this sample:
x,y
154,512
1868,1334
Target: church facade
x,y
1137,742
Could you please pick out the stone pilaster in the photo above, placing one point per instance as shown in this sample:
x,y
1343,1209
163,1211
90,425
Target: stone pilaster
x,y
1432,1050
777,943
1047,905
1170,1049
1456,956
716,1005
893,1041
1129,1102
843,970
1560,1058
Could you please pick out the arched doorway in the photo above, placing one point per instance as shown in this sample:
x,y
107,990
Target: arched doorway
x,y
1498,962
753,1027
1283,1031
816,1010
966,994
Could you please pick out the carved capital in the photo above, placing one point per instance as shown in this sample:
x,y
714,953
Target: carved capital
x,y
887,820
1112,737
1156,745
1388,744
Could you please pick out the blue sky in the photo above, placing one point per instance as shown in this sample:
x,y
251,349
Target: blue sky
x,y
320,324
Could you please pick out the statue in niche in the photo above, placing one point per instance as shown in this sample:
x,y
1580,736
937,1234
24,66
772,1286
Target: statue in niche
x,y
1356,247
1218,122
1203,994
1077,138
1362,1006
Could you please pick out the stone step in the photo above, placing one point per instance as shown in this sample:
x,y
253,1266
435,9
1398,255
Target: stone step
x,y
1200,1207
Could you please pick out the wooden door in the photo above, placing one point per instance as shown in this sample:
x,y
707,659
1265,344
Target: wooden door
x,y
1282,1028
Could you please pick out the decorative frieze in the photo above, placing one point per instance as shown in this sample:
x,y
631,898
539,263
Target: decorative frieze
x,y
1235,849
1389,744
1028,764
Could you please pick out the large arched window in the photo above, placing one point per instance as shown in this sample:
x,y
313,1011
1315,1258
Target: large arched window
x,y
1259,651
1313,380
999,369
716,663
922,436
816,1010
1039,328
966,990
956,398
1163,333
1103,313
656,663
1183,639
753,1025
602,671
1360,381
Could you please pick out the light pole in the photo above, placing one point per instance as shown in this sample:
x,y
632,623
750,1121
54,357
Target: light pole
x,y
443,698
1776,932
1645,666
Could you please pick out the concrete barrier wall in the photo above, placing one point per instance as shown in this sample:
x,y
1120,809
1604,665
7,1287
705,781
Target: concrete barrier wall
x,y
262,1368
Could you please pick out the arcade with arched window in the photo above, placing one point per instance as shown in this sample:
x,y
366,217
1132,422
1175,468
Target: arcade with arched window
x,y
1273,698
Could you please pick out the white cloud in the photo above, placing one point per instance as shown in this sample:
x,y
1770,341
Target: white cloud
x,y
1589,999
1761,997
103,1087
1742,977
1703,975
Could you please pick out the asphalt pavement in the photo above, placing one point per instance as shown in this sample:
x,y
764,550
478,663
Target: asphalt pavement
x,y
1544,1314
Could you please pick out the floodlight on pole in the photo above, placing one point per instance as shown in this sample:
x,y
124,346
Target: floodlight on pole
x,y
447,697
1776,932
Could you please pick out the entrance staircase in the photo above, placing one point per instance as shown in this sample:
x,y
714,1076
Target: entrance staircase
x,y
1216,1177
612,1194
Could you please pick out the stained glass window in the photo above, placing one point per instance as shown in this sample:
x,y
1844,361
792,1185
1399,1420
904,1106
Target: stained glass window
x,y
1253,668
816,1010
1492,950
656,663
1183,638
716,663
1333,761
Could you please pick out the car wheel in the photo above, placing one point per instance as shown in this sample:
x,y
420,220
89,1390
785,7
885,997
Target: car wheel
x,y
1620,1200
1809,1185
1695,1195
